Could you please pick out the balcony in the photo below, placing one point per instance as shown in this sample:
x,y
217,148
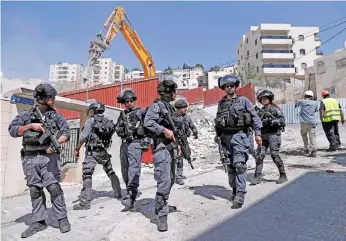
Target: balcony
x,y
277,54
278,69
277,40
277,28
319,52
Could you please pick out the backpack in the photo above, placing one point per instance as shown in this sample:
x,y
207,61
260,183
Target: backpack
x,y
103,127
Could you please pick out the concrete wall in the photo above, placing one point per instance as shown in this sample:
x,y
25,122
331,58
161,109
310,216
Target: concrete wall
x,y
12,176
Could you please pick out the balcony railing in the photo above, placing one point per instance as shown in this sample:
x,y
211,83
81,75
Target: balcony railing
x,y
269,51
278,66
275,37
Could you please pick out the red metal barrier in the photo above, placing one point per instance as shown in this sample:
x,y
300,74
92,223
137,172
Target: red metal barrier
x,y
193,96
146,91
213,96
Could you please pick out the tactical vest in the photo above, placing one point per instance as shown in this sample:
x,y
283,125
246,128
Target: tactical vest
x,y
167,109
266,114
135,122
31,138
103,129
331,110
232,116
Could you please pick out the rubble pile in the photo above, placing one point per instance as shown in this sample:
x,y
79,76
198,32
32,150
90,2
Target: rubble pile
x,y
204,149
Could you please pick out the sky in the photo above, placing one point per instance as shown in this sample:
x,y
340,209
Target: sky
x,y
35,35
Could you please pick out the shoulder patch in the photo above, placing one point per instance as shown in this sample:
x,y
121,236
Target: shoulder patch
x,y
156,108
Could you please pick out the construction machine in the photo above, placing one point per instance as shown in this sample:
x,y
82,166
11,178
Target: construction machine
x,y
116,22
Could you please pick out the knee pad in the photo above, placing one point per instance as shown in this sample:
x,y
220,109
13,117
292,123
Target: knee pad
x,y
259,159
240,167
87,173
35,192
54,189
107,167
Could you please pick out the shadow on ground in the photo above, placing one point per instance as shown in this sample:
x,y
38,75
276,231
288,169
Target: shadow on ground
x,y
311,207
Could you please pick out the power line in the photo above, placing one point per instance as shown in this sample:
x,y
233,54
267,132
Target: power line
x,y
234,60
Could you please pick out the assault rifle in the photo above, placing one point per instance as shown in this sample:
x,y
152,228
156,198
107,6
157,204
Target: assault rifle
x,y
179,140
222,153
48,130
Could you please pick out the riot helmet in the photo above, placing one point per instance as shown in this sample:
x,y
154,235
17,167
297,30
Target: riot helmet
x,y
44,91
167,86
229,79
97,107
126,94
179,104
265,93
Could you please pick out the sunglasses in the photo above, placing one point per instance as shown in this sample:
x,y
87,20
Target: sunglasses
x,y
128,101
229,86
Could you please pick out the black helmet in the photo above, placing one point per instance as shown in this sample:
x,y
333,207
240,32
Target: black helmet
x,y
179,104
228,79
98,107
126,94
166,86
264,93
43,91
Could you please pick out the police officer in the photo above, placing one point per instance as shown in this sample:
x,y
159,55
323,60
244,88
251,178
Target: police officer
x,y
181,106
331,114
40,161
97,135
234,116
273,122
157,121
130,129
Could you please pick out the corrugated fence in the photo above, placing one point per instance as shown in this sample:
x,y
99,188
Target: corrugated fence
x,y
146,91
292,114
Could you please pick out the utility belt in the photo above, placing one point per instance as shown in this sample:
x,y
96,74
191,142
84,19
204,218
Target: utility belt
x,y
158,141
234,130
30,150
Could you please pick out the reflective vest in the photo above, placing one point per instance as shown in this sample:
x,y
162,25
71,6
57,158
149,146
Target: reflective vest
x,y
331,110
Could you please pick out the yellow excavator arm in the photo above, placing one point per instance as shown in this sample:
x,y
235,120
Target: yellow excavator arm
x,y
116,22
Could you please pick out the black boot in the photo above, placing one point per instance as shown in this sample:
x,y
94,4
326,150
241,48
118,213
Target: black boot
x,y
34,228
162,225
238,200
115,185
64,225
282,178
256,179
81,206
179,181
234,192
313,154
128,201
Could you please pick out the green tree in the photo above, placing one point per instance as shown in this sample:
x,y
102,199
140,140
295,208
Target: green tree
x,y
215,69
136,69
126,70
200,65
168,68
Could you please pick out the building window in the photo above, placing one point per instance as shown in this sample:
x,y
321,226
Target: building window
x,y
255,42
238,62
256,55
304,65
238,51
248,66
248,53
257,69
302,51
247,40
341,63
321,68
301,37
241,56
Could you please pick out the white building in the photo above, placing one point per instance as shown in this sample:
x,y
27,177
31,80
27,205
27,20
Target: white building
x,y
213,76
65,72
137,74
277,51
187,78
107,71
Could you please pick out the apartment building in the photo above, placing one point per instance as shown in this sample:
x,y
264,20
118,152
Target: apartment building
x,y
277,51
186,78
214,75
328,73
65,72
107,71
137,74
